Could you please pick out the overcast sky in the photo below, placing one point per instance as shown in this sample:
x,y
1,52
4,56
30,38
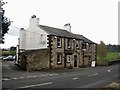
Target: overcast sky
x,y
95,19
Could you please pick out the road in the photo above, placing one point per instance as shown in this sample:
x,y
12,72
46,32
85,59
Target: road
x,y
97,77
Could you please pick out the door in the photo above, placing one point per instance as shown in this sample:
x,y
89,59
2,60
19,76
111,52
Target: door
x,y
65,61
75,61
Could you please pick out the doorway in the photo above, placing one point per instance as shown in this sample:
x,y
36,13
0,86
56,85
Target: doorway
x,y
75,61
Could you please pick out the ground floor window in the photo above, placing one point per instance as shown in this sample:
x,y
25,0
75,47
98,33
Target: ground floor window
x,y
68,58
59,58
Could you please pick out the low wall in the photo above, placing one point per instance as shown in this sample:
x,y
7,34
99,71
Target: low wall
x,y
107,63
114,62
102,63
35,59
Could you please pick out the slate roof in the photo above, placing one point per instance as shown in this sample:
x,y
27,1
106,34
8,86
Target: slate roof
x,y
63,33
86,40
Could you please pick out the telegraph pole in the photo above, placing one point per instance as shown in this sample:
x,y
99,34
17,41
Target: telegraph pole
x,y
1,12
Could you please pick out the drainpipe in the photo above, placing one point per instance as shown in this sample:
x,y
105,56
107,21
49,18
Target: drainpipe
x,y
49,51
64,54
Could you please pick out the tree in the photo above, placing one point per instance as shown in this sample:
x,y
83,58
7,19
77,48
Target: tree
x,y
12,48
101,50
5,22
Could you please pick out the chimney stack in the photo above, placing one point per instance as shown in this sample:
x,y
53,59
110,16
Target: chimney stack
x,y
34,21
67,27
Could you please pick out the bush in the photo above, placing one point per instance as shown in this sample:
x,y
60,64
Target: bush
x,y
70,67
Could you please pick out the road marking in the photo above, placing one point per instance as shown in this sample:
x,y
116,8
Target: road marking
x,y
63,73
28,76
37,85
42,75
35,76
109,70
93,74
56,74
75,78
6,65
14,78
5,79
21,77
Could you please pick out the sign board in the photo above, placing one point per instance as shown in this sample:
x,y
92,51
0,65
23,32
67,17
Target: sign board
x,y
119,54
93,64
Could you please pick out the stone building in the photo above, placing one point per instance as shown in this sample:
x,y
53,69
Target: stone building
x,y
42,47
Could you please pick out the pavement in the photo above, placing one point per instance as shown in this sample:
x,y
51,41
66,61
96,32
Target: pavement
x,y
98,77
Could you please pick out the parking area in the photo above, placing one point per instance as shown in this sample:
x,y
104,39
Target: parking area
x,y
10,70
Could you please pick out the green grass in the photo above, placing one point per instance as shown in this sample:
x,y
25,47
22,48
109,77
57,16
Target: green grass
x,y
8,52
110,56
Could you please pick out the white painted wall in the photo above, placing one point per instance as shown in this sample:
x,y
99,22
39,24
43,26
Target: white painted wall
x,y
34,37
22,38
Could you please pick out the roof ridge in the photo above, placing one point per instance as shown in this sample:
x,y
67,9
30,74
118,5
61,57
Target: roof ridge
x,y
64,33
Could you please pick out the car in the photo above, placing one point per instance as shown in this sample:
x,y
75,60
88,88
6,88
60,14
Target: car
x,y
10,57
1,57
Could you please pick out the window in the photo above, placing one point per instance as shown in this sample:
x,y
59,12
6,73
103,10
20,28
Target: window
x,y
68,43
84,47
59,58
68,59
59,42
77,44
90,48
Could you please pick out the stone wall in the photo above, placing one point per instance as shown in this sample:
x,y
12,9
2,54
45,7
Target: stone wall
x,y
54,51
35,59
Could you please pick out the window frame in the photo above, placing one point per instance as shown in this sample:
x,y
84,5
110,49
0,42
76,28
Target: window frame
x,y
68,57
59,42
69,44
59,60
84,46
77,44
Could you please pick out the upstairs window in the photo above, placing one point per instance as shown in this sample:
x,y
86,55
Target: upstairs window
x,y
77,44
68,43
59,42
59,58
90,48
84,46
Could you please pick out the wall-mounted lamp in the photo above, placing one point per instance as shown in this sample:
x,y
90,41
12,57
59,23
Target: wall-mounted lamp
x,y
73,39
55,37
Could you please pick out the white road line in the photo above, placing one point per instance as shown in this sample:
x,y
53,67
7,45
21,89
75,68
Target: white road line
x,y
6,65
6,79
93,74
34,76
21,77
36,85
75,78
15,78
42,75
56,74
109,70
28,76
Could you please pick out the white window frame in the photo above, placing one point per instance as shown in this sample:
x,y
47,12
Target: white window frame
x,y
60,58
60,42
77,44
68,44
68,59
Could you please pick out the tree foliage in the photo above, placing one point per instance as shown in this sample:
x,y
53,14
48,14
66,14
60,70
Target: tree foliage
x,y
5,24
12,48
101,50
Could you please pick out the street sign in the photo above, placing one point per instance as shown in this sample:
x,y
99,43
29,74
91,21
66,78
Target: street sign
x,y
93,64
